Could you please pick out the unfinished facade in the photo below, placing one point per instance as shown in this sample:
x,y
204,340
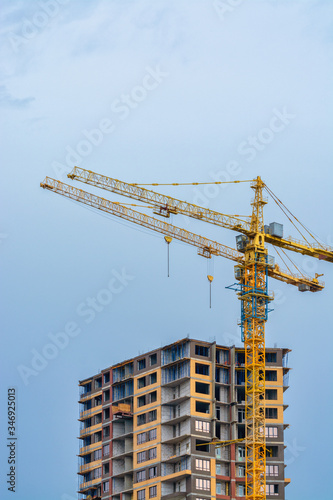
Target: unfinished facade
x,y
145,425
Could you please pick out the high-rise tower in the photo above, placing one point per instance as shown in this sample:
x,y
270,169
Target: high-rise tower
x,y
146,424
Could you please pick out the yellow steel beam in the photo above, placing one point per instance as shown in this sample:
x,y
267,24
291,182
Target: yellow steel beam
x,y
206,247
220,444
254,297
167,204
312,250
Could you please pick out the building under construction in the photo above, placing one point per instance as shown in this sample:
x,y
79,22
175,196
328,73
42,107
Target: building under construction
x,y
156,426
253,268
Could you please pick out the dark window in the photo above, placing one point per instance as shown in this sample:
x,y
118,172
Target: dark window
x,y
152,453
240,377
241,432
87,405
106,432
153,359
141,419
106,469
153,492
240,394
98,400
152,434
141,456
87,388
98,383
270,357
272,489
271,394
201,369
141,401
201,350
142,438
241,416
240,358
107,395
222,356
106,377
272,451
201,445
271,375
271,412
153,397
202,388
202,407
142,495
152,415
106,413
153,378
140,476
141,364
141,382
152,472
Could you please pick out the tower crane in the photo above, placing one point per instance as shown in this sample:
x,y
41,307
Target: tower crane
x,y
252,269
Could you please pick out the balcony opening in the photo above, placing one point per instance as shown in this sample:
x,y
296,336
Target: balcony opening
x,y
241,416
202,407
201,446
240,358
272,451
271,413
201,350
201,388
271,394
201,369
141,382
241,431
240,394
270,357
272,489
271,375
240,377
153,359
142,364
98,400
141,401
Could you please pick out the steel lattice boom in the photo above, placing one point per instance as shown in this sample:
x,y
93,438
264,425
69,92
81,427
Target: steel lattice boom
x,y
166,205
206,247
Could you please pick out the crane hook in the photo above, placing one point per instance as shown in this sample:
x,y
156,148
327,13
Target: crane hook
x,y
210,279
168,240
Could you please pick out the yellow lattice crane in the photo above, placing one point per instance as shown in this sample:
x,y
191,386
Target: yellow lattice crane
x,y
253,266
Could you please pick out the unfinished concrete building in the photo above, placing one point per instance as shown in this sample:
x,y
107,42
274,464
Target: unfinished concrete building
x,y
146,424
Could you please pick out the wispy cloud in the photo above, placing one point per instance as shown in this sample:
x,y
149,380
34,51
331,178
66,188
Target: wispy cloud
x,y
6,99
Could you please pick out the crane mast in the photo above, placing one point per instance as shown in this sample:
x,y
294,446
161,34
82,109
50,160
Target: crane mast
x,y
254,299
253,266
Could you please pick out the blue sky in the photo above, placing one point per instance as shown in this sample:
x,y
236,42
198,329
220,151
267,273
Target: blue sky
x,y
168,91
